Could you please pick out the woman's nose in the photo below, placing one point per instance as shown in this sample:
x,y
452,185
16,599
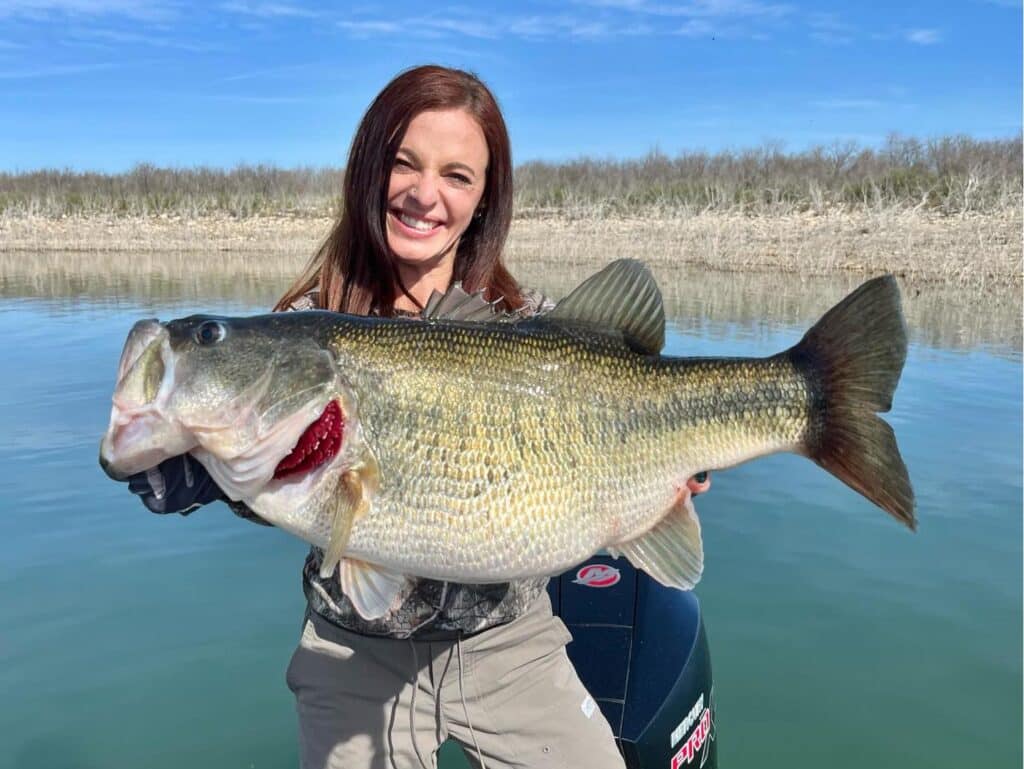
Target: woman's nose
x,y
424,191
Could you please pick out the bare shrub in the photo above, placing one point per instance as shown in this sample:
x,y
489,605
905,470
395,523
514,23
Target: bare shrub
x,y
146,190
947,175
954,174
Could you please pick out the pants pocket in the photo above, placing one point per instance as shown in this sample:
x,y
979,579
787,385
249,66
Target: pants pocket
x,y
543,644
314,642
313,654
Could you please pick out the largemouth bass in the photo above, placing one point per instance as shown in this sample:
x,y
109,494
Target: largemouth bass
x,y
488,451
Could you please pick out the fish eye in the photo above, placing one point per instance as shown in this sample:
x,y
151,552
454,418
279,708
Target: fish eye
x,y
210,332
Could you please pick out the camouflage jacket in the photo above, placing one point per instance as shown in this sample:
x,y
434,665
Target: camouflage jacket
x,y
434,610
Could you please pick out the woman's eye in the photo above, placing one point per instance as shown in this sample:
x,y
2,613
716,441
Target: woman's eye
x,y
400,163
460,179
210,332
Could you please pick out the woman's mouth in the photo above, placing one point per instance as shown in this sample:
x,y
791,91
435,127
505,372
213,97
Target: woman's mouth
x,y
414,226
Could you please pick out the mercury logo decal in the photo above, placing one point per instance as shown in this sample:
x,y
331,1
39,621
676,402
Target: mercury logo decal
x,y
700,738
597,575
691,718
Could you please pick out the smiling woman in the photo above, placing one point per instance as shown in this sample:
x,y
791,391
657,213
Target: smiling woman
x,y
427,203
432,149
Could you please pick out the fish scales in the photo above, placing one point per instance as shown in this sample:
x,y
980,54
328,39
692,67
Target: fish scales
x,y
490,435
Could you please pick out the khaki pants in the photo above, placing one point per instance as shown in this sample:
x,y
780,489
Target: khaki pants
x,y
358,707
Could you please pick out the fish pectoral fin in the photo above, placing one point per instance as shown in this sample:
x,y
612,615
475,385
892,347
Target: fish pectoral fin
x,y
672,552
374,591
351,505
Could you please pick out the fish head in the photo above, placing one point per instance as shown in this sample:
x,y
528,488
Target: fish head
x,y
258,401
138,436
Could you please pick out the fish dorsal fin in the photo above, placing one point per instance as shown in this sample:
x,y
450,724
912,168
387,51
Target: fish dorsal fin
x,y
457,304
622,297
672,552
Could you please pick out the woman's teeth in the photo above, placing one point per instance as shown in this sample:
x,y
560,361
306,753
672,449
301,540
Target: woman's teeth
x,y
422,225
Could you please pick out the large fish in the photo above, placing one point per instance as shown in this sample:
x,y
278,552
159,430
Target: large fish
x,y
486,451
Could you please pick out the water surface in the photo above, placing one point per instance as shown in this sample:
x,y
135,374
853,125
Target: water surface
x,y
838,638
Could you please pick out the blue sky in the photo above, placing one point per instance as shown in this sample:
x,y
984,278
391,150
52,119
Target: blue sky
x,y
104,84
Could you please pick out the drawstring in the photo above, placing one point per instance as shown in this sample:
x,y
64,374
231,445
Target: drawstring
x,y
416,685
412,706
465,709
462,696
432,617
416,671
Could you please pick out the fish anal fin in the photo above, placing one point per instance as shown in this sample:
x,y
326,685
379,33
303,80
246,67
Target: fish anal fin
x,y
373,590
672,552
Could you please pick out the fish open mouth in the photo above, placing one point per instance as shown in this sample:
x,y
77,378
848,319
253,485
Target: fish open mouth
x,y
318,445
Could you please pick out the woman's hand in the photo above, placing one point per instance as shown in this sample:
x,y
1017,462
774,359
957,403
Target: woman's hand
x,y
176,485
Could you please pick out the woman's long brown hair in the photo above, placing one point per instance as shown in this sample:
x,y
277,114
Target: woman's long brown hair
x,y
355,269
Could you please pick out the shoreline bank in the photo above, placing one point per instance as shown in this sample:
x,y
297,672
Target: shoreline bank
x,y
976,250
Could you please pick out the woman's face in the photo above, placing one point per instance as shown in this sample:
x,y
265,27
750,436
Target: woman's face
x,y
435,187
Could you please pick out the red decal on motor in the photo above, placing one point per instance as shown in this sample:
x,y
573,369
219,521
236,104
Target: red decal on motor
x,y
696,740
597,575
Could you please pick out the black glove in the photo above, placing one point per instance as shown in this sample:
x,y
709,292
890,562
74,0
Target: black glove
x,y
176,485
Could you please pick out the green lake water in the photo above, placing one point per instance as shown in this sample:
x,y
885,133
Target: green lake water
x,y
838,638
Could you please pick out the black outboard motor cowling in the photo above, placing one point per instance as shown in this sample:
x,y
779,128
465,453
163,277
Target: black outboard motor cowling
x,y
641,651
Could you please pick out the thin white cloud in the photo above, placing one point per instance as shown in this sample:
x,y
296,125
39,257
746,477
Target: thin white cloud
x,y
622,5
696,8
924,36
285,70
465,27
369,28
546,27
267,10
154,10
702,18
698,28
592,29
57,71
245,99
424,28
741,9
122,37
530,26
848,104
830,28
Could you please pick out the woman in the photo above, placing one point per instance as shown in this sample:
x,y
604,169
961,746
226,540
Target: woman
x,y
427,201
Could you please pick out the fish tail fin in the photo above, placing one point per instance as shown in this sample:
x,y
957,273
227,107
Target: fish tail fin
x,y
853,358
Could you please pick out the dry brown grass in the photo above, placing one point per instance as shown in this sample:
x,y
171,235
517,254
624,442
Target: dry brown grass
x,y
975,250
978,250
